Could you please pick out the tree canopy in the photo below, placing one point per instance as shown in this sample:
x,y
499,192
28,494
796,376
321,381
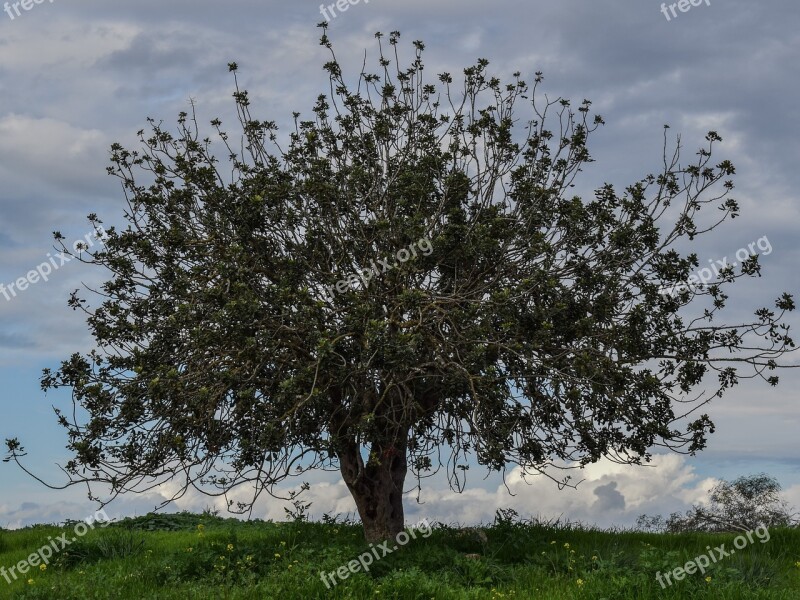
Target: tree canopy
x,y
405,281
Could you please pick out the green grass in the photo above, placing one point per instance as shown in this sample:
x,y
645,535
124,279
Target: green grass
x,y
187,556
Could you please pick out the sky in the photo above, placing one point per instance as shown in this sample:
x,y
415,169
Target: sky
x,y
76,77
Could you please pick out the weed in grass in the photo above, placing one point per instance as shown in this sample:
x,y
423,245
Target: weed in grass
x,y
107,545
479,572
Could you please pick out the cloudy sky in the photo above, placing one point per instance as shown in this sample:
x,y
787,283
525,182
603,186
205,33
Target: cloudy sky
x,y
77,76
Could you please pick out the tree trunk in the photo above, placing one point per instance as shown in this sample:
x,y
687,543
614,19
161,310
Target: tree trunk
x,y
377,488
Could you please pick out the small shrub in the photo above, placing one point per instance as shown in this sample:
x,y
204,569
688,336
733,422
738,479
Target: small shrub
x,y
162,522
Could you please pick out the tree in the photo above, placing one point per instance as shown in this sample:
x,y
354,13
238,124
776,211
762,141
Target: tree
x,y
742,504
241,341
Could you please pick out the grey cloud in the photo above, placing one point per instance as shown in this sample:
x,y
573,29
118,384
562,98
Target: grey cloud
x,y
608,498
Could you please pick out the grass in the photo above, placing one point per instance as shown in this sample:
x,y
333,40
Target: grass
x,y
185,556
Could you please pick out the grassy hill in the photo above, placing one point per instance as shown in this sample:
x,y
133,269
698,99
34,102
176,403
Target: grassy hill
x,y
185,556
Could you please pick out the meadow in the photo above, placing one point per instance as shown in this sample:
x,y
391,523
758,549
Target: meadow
x,y
203,556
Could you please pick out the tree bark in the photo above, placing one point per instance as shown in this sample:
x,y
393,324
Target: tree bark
x,y
377,488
